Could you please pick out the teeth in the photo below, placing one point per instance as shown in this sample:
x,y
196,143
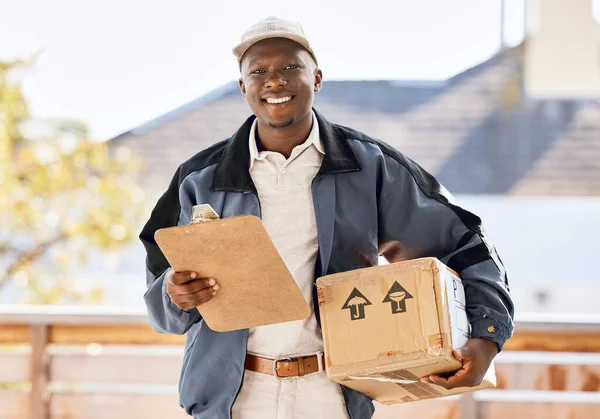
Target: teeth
x,y
279,100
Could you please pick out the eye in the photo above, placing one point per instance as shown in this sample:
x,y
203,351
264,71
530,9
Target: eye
x,y
291,67
257,71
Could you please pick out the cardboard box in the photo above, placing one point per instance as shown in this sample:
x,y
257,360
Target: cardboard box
x,y
387,326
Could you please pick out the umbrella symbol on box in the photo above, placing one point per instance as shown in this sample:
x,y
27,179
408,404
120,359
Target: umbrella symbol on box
x,y
356,303
397,295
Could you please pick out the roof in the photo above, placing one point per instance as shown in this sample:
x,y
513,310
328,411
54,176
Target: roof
x,y
476,132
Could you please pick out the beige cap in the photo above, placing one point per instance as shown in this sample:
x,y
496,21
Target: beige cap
x,y
272,27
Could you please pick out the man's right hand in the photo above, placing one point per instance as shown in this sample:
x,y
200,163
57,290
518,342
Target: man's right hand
x,y
188,291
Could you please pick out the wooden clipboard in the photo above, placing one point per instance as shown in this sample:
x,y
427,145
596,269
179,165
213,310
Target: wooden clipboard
x,y
255,286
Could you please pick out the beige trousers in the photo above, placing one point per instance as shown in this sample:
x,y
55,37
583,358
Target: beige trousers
x,y
313,396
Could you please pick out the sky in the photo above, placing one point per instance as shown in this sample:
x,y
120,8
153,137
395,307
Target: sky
x,y
116,64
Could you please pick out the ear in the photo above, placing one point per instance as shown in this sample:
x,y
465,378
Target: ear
x,y
242,88
318,80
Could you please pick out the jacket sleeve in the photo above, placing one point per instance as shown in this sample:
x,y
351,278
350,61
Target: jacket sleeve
x,y
164,315
418,218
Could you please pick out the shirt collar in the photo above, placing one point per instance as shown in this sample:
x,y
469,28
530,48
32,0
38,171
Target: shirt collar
x,y
314,138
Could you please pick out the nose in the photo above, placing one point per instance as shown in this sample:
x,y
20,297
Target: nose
x,y
275,80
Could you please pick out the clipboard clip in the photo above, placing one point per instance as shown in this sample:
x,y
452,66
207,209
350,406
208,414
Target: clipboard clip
x,y
203,213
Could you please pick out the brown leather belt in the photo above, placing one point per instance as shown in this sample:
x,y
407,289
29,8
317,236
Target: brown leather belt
x,y
284,367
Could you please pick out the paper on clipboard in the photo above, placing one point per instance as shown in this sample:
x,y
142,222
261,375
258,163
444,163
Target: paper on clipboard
x,y
202,213
255,286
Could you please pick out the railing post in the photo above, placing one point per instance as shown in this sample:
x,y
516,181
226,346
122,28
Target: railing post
x,y
39,372
468,407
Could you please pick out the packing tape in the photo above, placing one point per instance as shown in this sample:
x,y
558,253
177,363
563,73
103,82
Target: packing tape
x,y
436,344
405,379
325,295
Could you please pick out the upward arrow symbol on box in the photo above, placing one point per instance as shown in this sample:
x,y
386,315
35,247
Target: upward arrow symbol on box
x,y
356,303
397,296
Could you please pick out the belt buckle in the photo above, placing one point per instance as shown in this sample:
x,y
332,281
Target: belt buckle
x,y
275,361
320,360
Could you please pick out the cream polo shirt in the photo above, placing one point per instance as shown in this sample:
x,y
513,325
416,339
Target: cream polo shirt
x,y
285,194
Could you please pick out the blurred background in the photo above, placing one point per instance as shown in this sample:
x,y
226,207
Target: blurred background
x,y
101,101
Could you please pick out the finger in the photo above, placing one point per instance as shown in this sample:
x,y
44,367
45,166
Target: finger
x,y
199,296
187,305
462,374
194,286
435,379
461,378
178,278
194,300
450,382
463,353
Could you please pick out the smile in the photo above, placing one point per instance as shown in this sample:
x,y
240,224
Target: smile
x,y
273,100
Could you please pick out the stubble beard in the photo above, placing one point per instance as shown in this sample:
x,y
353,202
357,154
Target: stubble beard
x,y
281,124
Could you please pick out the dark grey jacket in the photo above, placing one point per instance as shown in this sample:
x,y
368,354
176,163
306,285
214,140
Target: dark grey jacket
x,y
367,196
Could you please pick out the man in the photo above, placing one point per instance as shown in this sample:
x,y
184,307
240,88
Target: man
x,y
332,199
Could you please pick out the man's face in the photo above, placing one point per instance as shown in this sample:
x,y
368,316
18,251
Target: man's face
x,y
278,80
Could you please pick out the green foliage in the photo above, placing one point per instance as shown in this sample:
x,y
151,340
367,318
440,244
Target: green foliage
x,y
62,198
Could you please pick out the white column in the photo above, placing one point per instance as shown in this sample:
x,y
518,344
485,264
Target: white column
x,y
562,54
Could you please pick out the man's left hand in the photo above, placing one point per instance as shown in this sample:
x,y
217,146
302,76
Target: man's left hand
x,y
476,357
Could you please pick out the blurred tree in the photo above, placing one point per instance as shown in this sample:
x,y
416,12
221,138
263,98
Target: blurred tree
x,y
63,199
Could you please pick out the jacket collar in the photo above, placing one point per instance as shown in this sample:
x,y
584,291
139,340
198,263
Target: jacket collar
x,y
314,139
232,171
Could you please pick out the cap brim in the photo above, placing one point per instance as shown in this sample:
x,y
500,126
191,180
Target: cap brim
x,y
240,49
